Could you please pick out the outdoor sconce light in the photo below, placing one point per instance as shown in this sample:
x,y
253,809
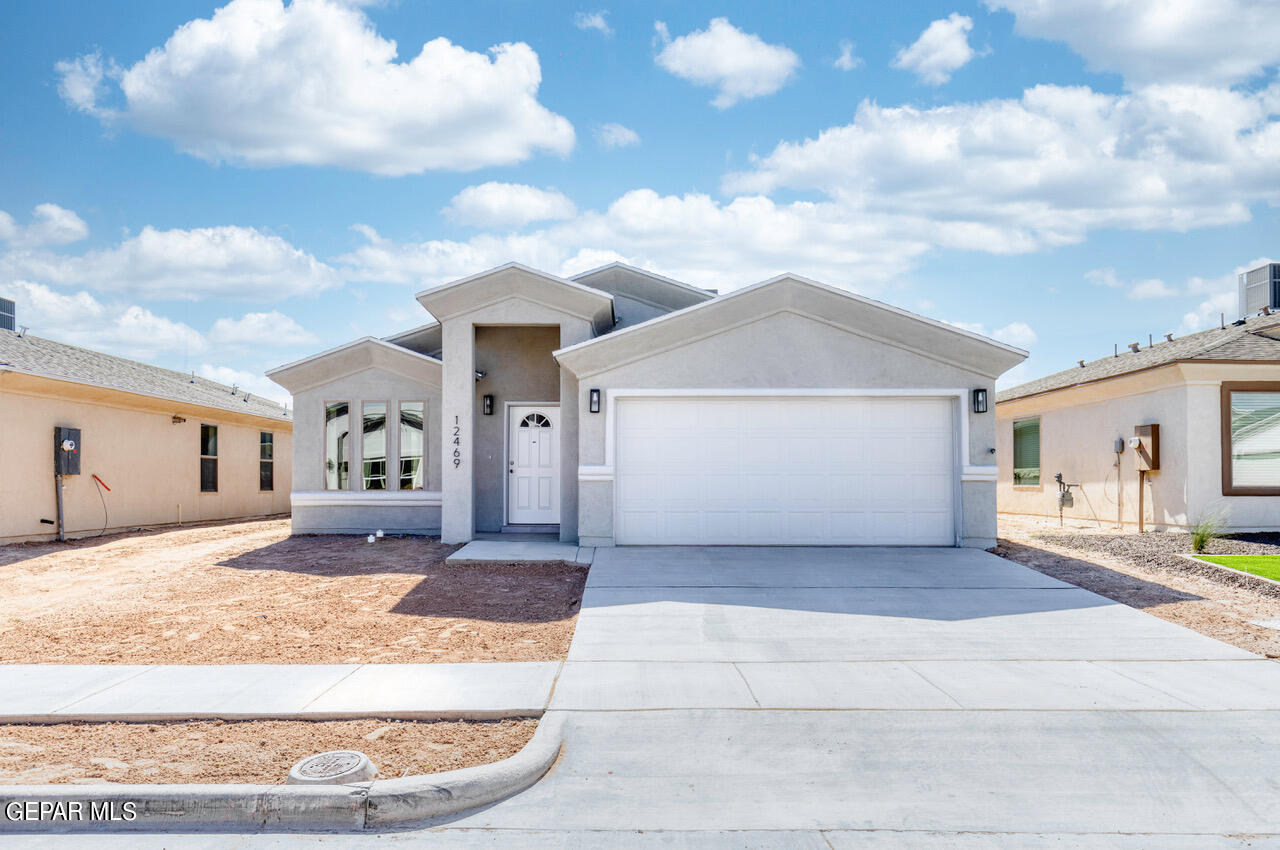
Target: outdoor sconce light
x,y
177,420
980,400
488,405
594,401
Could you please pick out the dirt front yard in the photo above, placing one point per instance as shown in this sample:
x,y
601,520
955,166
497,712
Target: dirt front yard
x,y
1144,572
242,593
253,751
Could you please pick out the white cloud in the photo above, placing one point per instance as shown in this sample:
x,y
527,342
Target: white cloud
x,y
1150,41
1143,290
691,237
250,382
257,330
228,261
312,83
941,50
508,205
1045,169
1103,277
616,136
127,330
50,225
1018,334
741,65
593,21
846,61
81,82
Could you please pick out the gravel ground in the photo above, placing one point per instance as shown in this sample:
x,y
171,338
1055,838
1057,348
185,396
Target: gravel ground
x,y
246,593
1144,571
247,751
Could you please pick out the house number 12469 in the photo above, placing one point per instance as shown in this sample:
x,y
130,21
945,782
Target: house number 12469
x,y
457,443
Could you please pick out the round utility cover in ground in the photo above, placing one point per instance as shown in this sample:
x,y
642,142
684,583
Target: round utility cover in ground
x,y
334,768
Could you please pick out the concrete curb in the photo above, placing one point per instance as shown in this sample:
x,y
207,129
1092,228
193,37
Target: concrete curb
x,y
1231,571
381,803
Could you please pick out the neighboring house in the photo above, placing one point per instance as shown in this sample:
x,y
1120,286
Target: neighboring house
x,y
623,407
1216,398
172,447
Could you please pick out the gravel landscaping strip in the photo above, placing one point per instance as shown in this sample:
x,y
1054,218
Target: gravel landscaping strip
x,y
250,751
1148,572
248,593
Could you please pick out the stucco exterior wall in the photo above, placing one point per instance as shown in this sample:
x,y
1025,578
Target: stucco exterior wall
x,y
784,351
1078,429
365,385
151,464
518,367
1077,438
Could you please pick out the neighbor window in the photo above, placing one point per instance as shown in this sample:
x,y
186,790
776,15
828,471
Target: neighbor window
x,y
208,458
412,471
1026,453
266,461
374,445
1250,439
336,449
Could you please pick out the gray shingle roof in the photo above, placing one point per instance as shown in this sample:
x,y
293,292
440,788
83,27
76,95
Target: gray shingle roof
x,y
1257,339
68,362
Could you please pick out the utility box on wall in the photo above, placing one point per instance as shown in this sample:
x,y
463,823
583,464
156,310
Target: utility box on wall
x,y
66,451
1147,451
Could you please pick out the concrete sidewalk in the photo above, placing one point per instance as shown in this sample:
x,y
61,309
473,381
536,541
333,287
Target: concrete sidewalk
x,y
31,692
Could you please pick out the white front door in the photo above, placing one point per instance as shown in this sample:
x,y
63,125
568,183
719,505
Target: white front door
x,y
533,465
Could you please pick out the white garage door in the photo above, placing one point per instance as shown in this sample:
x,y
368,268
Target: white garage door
x,y
781,470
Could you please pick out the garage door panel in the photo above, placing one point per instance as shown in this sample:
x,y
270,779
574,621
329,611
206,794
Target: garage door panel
x,y
785,471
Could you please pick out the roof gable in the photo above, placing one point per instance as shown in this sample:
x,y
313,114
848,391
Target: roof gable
x,y
792,293
356,356
515,280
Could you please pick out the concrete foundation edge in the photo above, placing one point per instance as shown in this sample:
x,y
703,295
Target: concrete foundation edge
x,y
221,808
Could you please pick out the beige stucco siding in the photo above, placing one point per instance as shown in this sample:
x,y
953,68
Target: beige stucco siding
x,y
151,464
1079,427
784,351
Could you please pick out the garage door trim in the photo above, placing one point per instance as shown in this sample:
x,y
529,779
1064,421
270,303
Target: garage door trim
x,y
958,395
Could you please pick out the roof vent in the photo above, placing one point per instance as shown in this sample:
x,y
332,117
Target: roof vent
x,y
1133,346
1081,362
1168,337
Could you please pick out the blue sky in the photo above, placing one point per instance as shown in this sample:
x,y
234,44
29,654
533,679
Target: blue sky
x,y
227,188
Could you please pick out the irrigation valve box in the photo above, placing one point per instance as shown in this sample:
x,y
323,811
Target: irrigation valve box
x,y
66,451
1147,451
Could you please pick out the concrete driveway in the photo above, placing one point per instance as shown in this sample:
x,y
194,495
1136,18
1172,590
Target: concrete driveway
x,y
849,698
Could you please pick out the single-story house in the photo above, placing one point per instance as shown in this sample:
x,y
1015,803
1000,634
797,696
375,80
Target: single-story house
x,y
621,407
1214,397
154,446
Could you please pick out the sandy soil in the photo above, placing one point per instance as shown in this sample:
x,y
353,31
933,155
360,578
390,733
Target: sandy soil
x,y
250,751
1141,571
248,593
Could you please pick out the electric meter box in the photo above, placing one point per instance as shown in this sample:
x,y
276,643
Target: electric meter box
x,y
66,451
1148,449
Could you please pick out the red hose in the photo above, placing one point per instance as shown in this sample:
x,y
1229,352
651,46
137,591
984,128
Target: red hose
x,y
103,483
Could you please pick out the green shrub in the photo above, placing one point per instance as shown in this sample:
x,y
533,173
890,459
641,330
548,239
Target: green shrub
x,y
1209,527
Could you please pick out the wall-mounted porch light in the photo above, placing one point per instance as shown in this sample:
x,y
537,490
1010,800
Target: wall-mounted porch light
x,y
593,403
980,400
488,405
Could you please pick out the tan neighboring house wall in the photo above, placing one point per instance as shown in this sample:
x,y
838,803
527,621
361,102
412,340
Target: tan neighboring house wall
x,y
131,442
1078,429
